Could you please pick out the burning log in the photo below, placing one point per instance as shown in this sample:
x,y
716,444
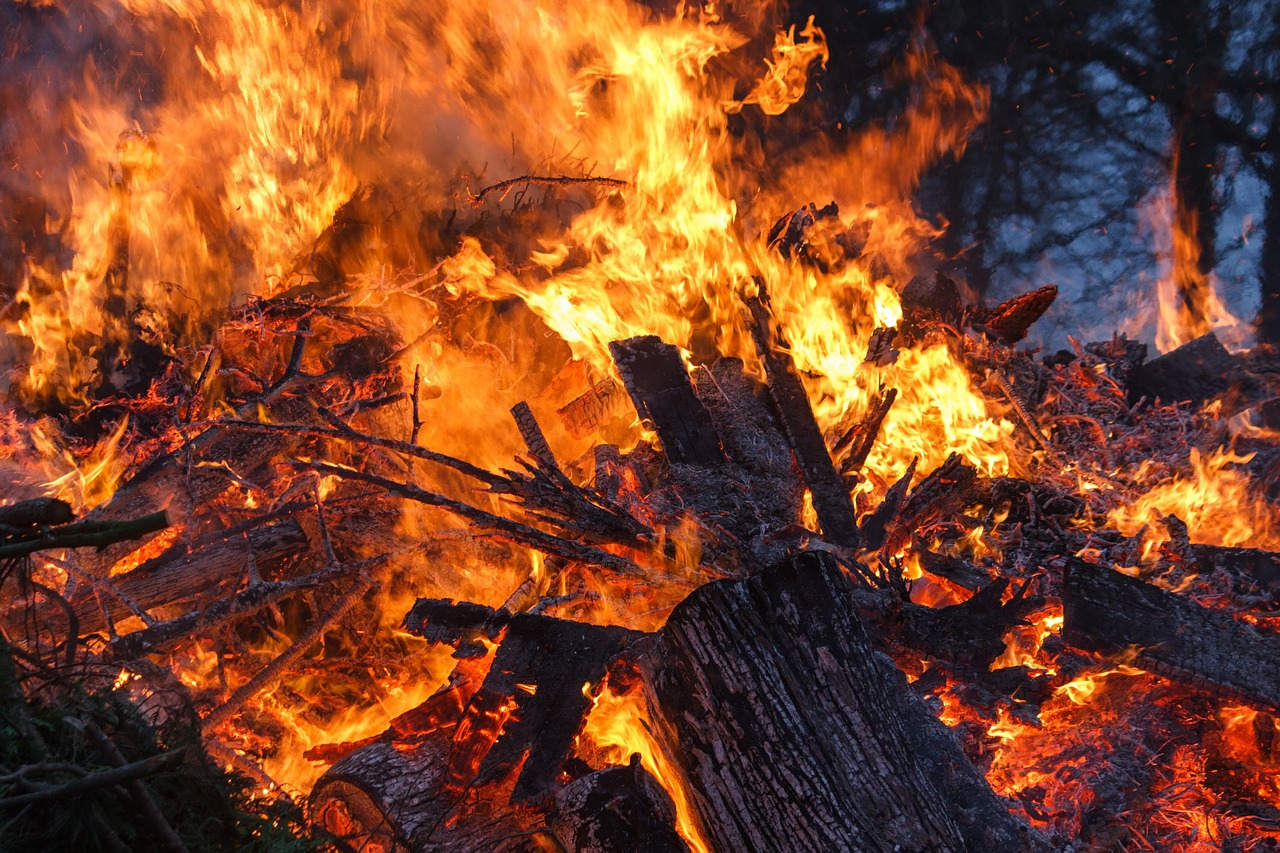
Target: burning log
x,y
794,734
831,499
617,810
177,577
1110,613
490,772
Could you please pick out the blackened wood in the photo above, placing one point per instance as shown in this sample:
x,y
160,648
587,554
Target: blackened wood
x,y
794,734
831,500
531,432
1107,612
940,491
1193,372
1250,565
84,534
555,658
392,796
175,577
33,513
1010,320
540,668
863,435
169,483
617,810
659,385
926,301
880,351
457,624
971,633
875,528
959,572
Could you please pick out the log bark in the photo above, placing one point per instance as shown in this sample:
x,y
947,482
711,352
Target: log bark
x,y
1109,613
794,734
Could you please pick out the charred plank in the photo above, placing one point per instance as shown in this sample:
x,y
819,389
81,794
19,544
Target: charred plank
x,y
831,500
659,385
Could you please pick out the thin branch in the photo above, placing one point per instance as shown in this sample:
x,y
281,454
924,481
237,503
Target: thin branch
x,y
504,187
102,779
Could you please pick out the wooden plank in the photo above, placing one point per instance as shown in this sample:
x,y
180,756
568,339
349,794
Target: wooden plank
x,y
831,499
1107,612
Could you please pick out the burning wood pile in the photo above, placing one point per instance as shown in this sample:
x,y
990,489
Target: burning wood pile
x,y
471,559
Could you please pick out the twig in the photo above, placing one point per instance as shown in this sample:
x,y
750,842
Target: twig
x,y
504,187
515,531
417,418
101,779
305,641
217,749
1028,420
348,434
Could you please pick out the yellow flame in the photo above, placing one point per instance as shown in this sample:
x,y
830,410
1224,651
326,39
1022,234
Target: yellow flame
x,y
617,724
1216,502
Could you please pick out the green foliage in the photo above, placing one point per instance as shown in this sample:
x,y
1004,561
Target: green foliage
x,y
42,746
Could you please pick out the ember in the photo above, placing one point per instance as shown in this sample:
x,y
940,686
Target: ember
x,y
467,421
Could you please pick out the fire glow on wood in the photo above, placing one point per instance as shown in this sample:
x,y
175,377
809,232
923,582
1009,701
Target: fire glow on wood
x,y
518,404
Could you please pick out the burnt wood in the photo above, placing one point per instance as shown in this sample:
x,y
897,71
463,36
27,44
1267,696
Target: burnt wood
x,y
1194,372
794,734
1108,612
617,810
538,675
831,500
175,577
659,385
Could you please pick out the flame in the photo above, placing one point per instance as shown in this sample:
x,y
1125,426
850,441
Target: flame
x,y
618,725
1216,501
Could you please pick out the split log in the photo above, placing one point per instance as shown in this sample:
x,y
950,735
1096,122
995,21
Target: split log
x,y
1107,612
831,500
659,386
589,411
794,734
486,776
538,674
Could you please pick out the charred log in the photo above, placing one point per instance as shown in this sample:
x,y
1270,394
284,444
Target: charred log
x,y
1108,613
831,499
794,734
659,386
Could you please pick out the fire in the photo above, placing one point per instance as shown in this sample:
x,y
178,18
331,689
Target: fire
x,y
1215,501
618,725
246,137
